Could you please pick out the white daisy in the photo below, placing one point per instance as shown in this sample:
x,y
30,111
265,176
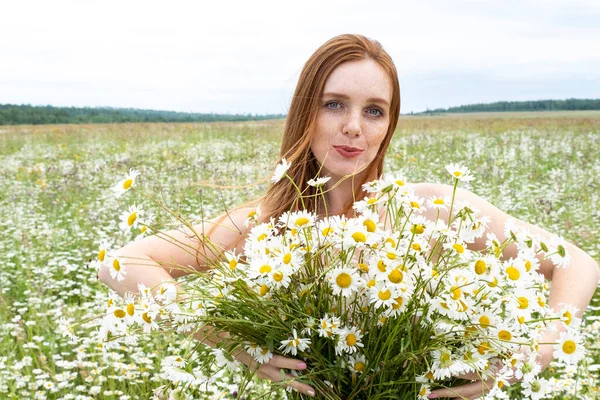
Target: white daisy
x,y
294,344
569,348
344,281
459,172
127,183
280,170
319,181
349,341
131,218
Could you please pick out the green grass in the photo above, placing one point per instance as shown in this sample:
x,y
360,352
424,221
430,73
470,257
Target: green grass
x,y
56,207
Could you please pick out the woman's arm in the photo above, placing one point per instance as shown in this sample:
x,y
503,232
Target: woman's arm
x,y
172,254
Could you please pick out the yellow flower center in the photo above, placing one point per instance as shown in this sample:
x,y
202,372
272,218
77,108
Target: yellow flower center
x,y
395,276
527,265
416,246
569,347
568,317
504,335
370,225
414,204
445,357
523,303
439,201
399,182
483,348
454,293
265,269
262,237
302,221
480,267
391,256
457,174
127,184
391,242
363,267
277,276
116,265
359,366
251,214
384,294
398,303
264,289
327,231
350,339
232,264
147,318
287,258
132,218
371,283
101,255
371,201
417,229
513,273
119,313
359,237
459,248
423,391
343,280
381,266
130,309
484,321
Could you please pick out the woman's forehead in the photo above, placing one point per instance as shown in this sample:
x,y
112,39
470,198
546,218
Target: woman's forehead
x,y
365,79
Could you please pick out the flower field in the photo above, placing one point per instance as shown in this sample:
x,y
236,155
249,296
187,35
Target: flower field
x,y
57,207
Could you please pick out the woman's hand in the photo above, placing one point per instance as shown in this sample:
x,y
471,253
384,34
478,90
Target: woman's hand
x,y
470,391
272,370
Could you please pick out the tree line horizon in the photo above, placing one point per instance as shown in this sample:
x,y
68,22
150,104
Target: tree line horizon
x,y
24,114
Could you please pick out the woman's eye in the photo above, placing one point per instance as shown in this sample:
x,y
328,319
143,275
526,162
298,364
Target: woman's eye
x,y
334,105
374,112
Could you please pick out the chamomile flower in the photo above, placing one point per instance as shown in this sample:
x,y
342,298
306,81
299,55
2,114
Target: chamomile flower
x,y
131,218
568,316
357,363
569,348
125,184
280,170
115,266
319,181
329,326
344,281
383,295
263,355
253,216
294,344
459,172
438,202
558,253
349,340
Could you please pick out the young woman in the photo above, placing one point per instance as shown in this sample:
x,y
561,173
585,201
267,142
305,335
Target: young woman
x,y
340,123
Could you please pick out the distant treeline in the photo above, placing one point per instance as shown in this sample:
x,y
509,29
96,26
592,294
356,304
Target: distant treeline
x,y
11,114
536,105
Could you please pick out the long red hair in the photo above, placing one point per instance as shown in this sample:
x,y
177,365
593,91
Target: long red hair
x,y
295,147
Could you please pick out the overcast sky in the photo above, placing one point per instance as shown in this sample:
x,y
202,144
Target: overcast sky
x,y
245,56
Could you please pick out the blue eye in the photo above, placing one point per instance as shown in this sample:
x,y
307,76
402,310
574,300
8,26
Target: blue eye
x,y
374,112
333,105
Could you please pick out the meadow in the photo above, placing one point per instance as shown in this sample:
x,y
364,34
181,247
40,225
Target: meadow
x,y
56,207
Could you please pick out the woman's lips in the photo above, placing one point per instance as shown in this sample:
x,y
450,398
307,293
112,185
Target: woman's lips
x,y
348,151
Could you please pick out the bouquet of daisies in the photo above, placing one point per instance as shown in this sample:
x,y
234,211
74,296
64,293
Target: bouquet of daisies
x,y
388,304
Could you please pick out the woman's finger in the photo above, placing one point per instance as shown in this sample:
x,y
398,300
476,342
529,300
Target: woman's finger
x,y
469,391
272,373
287,363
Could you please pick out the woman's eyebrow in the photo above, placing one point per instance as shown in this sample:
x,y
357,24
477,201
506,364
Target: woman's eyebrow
x,y
346,97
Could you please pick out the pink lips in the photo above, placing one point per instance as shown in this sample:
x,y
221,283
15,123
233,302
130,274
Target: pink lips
x,y
348,151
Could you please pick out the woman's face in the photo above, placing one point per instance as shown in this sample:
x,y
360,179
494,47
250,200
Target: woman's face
x,y
352,119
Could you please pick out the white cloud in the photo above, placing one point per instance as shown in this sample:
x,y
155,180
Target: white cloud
x,y
246,56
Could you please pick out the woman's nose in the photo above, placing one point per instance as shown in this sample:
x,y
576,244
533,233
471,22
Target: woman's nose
x,y
352,124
